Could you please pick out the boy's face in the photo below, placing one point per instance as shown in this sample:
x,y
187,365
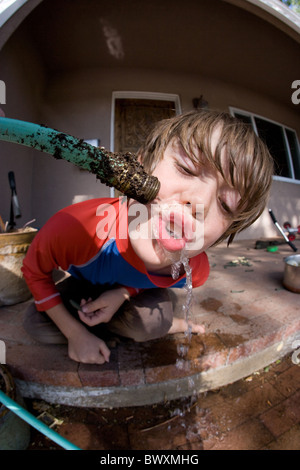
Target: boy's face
x,y
194,207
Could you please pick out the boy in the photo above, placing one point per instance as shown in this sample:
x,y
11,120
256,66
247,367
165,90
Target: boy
x,y
215,176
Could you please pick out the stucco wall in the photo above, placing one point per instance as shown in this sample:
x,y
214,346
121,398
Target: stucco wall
x,y
21,71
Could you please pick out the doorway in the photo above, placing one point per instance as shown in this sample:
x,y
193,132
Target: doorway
x,y
135,114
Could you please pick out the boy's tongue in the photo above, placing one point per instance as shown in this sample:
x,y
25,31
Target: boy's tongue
x,y
173,231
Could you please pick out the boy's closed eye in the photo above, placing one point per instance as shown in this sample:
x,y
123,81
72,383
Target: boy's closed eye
x,y
184,170
226,208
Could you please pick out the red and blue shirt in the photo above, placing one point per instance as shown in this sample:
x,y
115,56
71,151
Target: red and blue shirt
x,y
90,241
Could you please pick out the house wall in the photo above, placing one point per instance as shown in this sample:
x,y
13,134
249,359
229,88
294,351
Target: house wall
x,y
22,73
80,104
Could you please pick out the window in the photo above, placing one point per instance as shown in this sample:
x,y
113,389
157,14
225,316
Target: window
x,y
282,143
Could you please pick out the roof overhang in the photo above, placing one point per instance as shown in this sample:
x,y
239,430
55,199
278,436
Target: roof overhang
x,y
13,12
275,12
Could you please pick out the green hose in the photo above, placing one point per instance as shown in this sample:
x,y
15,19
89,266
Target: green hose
x,y
34,422
121,171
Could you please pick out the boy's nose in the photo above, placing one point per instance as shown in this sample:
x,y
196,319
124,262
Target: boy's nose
x,y
203,198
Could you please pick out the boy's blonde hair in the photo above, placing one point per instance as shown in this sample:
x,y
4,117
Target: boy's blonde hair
x,y
249,165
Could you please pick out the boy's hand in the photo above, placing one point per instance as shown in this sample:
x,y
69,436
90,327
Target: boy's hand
x,y
103,308
88,349
83,346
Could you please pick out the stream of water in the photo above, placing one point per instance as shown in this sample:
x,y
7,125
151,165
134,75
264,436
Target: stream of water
x,y
183,349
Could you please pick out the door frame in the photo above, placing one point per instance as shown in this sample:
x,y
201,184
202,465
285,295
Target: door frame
x,y
142,95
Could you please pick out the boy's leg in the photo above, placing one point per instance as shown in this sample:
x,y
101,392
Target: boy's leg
x,y
147,316
41,328
38,324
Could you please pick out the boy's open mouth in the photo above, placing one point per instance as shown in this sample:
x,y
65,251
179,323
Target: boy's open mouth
x,y
174,230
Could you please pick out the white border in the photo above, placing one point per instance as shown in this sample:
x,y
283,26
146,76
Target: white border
x,y
250,114
281,11
8,8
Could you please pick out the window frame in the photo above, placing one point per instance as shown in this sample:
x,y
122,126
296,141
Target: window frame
x,y
252,117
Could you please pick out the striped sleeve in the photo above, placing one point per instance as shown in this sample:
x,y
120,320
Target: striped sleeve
x,y
62,240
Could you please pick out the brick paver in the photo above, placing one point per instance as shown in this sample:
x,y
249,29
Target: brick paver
x,y
246,313
259,412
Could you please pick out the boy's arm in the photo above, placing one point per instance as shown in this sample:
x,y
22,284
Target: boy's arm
x,y
83,346
62,241
102,309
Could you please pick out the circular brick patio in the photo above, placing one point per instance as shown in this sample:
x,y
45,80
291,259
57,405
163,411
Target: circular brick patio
x,y
250,320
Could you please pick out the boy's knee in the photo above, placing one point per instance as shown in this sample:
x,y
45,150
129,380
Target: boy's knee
x,y
156,327
147,316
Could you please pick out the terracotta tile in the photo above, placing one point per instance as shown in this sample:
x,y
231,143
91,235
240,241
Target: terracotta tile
x,y
288,381
290,440
94,436
165,373
131,377
211,360
251,435
240,351
129,356
230,413
168,436
46,364
282,417
159,353
103,375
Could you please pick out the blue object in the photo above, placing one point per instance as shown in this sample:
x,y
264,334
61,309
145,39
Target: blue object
x,y
34,422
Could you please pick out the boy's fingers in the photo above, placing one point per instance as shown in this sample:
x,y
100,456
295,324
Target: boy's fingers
x,y
92,306
88,318
100,358
105,351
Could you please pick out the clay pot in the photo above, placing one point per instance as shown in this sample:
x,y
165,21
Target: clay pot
x,y
13,248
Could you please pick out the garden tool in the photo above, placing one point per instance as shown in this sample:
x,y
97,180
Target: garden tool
x,y
286,238
15,211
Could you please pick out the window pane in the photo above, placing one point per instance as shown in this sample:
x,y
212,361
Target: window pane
x,y
242,117
294,147
272,135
